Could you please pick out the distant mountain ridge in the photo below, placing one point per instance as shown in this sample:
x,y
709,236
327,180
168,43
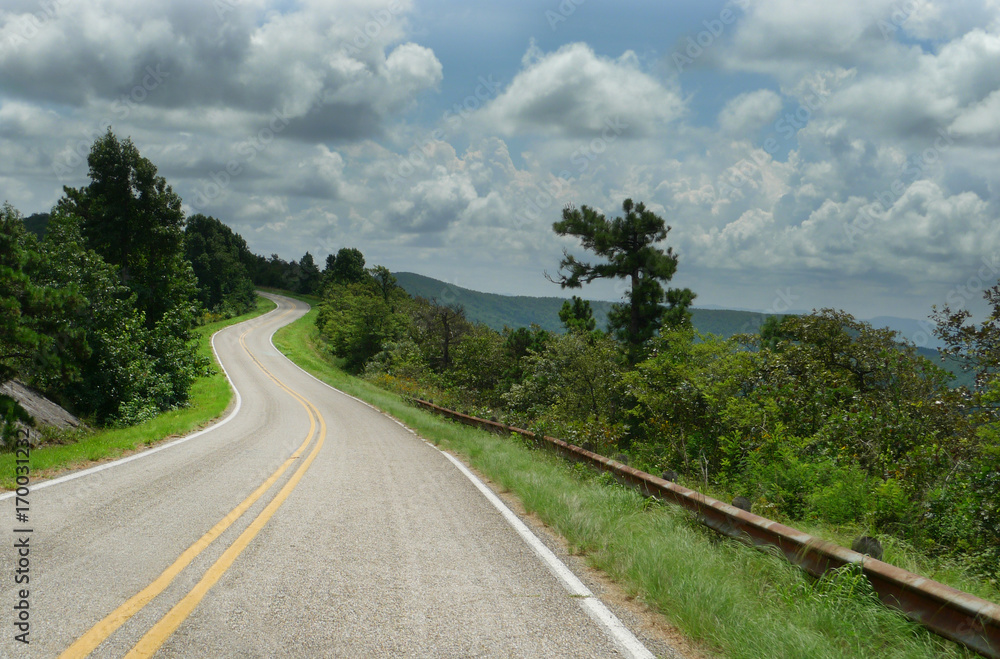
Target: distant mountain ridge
x,y
498,311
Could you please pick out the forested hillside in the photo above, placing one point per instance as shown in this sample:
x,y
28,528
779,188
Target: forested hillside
x,y
100,296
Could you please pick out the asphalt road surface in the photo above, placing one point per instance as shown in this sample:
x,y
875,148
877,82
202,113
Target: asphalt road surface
x,y
307,524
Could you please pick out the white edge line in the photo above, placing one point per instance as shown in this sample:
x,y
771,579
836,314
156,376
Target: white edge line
x,y
159,447
594,607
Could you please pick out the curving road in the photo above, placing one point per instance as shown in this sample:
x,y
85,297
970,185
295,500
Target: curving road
x,y
307,524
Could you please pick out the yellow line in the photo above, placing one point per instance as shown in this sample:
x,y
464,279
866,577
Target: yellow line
x,y
162,630
86,644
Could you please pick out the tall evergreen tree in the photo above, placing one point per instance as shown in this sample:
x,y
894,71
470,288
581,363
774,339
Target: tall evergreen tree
x,y
133,219
348,267
577,316
37,336
218,256
628,246
310,278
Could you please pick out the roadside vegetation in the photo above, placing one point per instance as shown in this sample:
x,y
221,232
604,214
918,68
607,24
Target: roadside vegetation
x,y
209,397
107,303
821,421
735,600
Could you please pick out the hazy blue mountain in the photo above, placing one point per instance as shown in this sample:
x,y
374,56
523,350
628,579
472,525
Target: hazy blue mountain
x,y
496,310
920,332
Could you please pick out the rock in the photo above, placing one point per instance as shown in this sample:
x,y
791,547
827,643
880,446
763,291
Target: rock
x,y
742,503
866,544
41,409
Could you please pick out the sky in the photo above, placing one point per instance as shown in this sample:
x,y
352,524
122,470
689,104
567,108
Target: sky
x,y
805,154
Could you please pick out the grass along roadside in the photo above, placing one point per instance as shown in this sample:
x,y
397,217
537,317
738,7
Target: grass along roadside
x,y
209,398
947,570
736,600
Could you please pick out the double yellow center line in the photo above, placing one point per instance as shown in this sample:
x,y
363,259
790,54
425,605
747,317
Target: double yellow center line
x,y
161,631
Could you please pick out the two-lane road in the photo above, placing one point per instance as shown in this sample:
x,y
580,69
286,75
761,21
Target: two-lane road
x,y
306,525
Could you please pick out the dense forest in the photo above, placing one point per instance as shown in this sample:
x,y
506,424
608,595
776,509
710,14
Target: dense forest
x,y
814,417
100,296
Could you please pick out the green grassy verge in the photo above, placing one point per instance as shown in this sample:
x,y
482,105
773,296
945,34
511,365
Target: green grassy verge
x,y
944,569
209,398
735,600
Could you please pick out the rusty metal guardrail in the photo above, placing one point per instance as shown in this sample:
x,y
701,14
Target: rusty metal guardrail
x,y
959,616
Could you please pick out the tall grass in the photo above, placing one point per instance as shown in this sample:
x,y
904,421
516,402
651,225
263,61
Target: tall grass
x,y
209,397
735,600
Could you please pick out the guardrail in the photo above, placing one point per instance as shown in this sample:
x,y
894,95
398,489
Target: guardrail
x,y
959,616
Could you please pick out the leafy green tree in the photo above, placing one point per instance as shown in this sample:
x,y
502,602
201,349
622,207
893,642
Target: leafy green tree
x,y
977,347
271,272
37,223
678,311
358,323
348,266
680,392
888,398
385,283
772,332
521,342
291,276
131,372
439,327
574,384
310,278
577,316
966,509
133,219
628,246
37,336
480,364
216,254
